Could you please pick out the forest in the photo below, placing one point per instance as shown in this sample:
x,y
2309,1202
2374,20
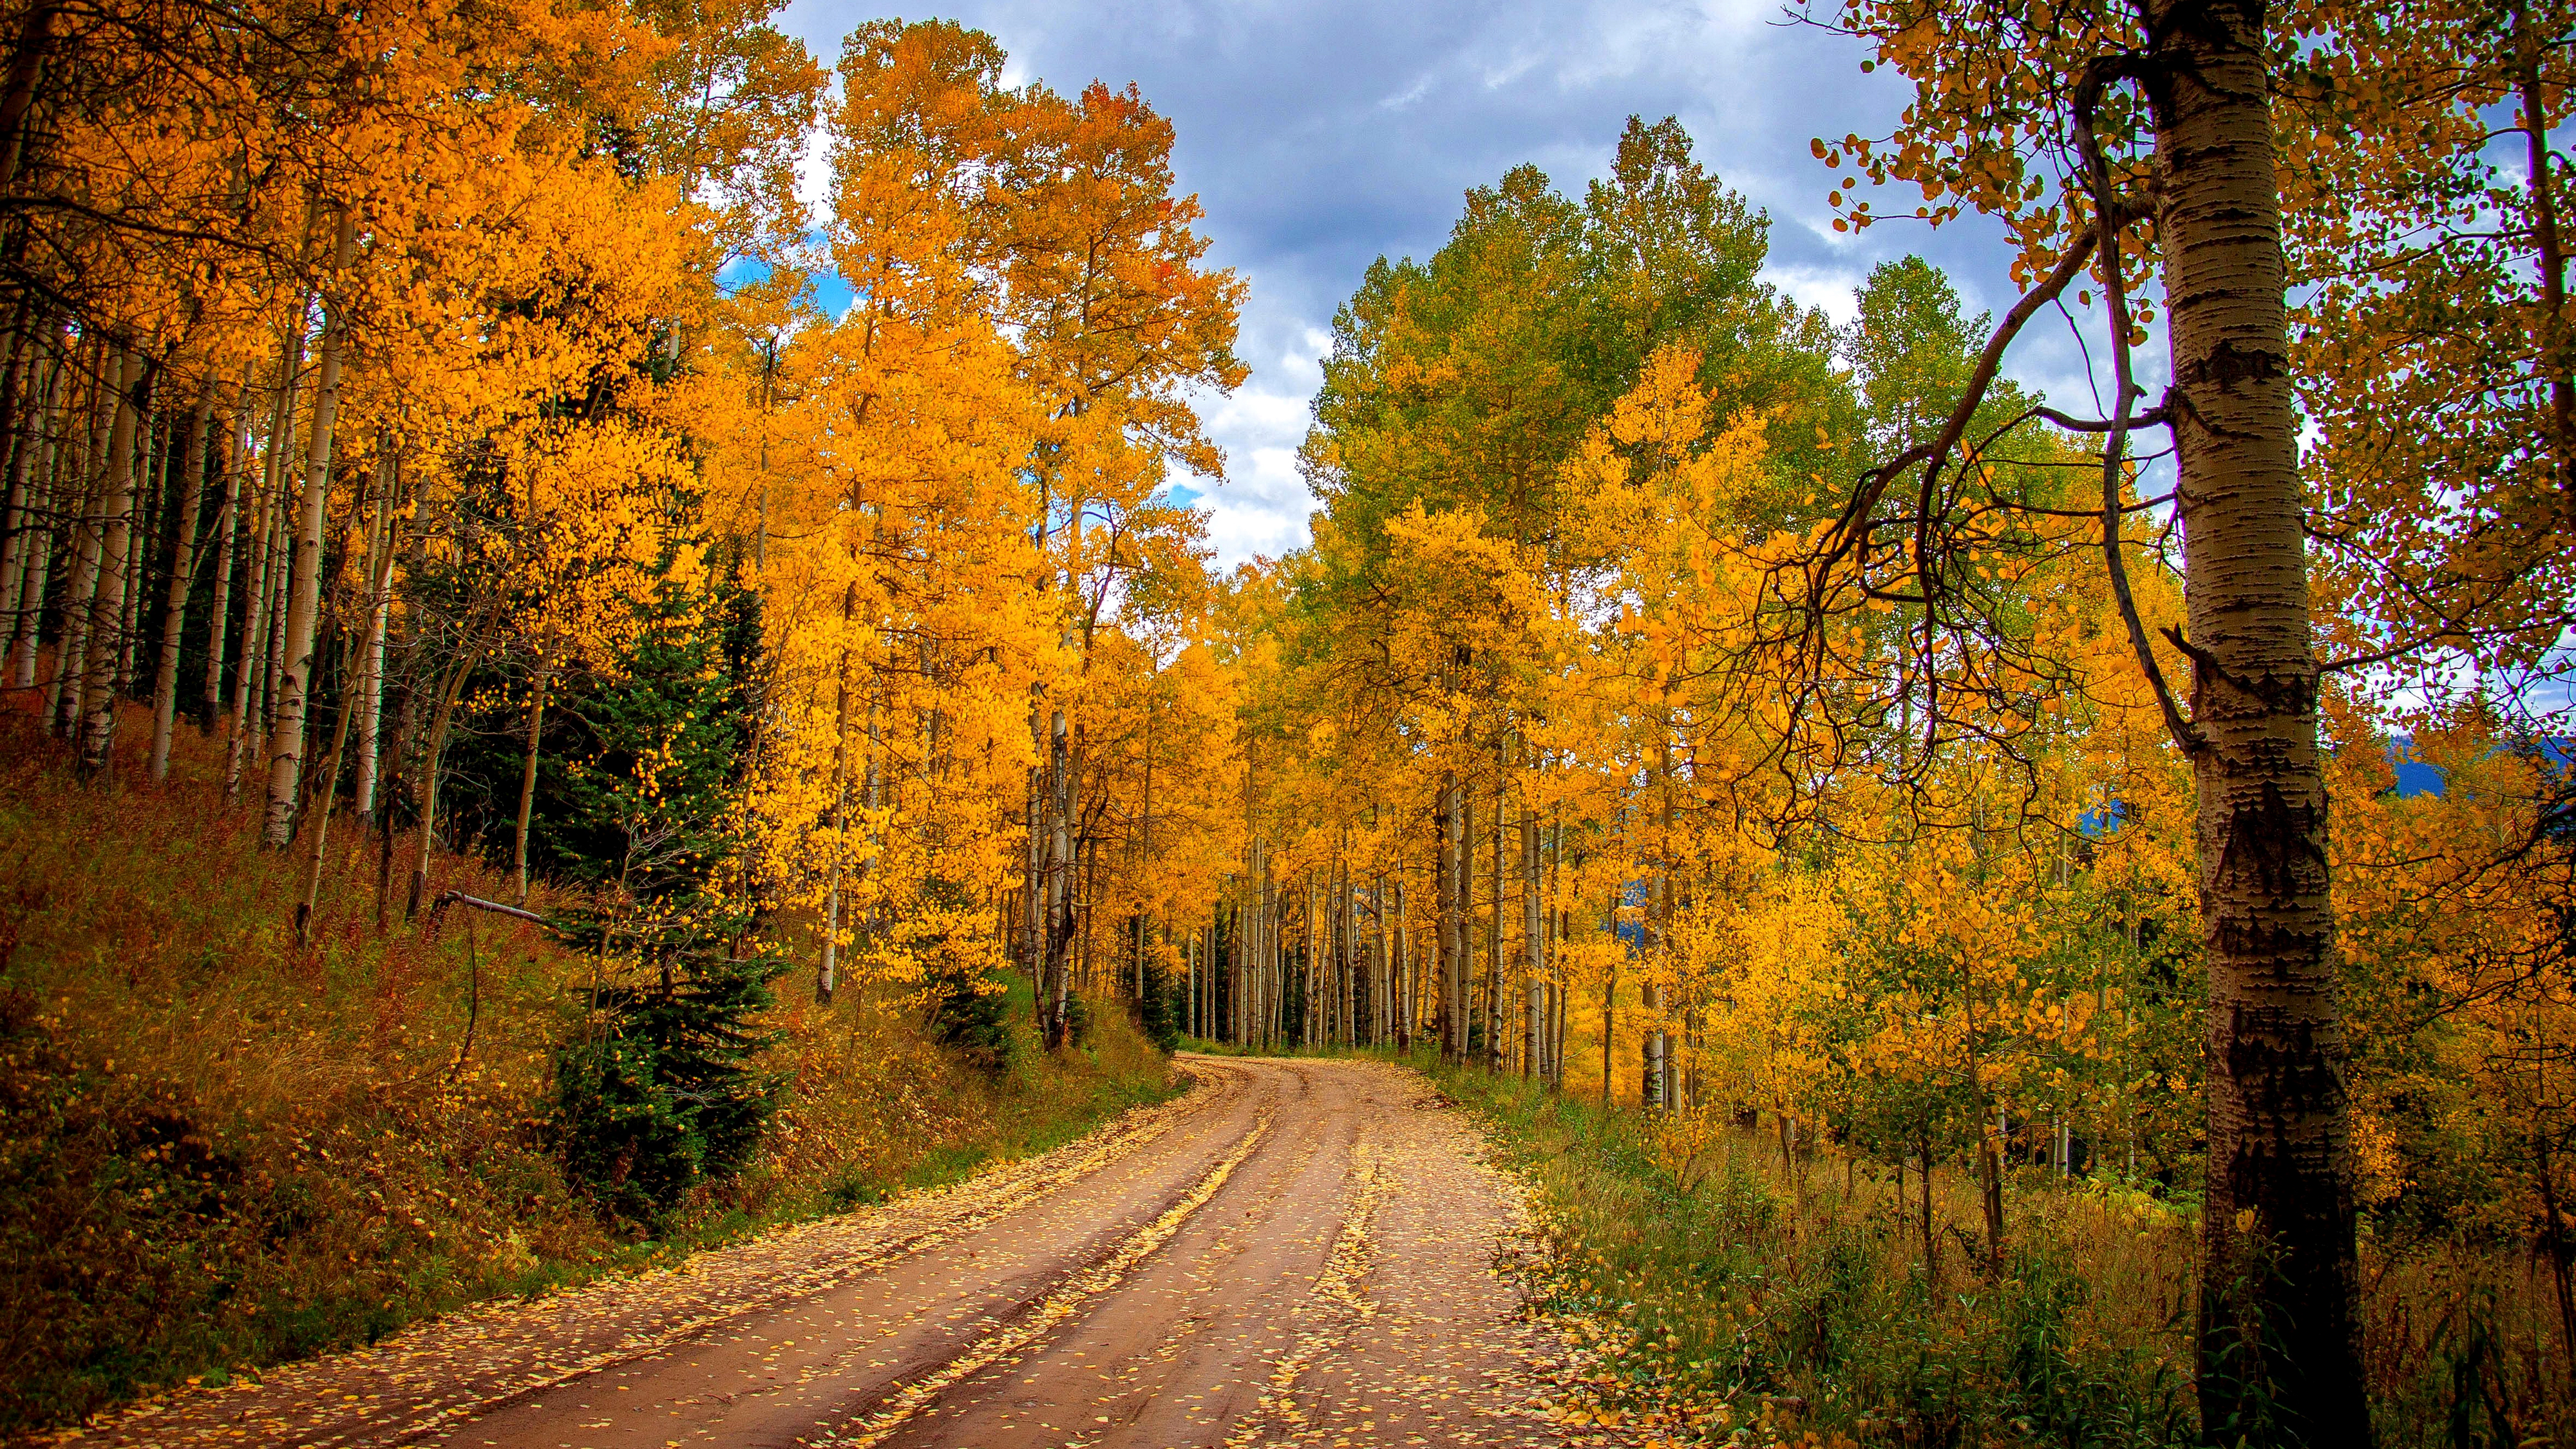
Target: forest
x,y
534,747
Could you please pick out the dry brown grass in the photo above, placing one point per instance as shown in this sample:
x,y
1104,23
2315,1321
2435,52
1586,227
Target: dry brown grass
x,y
1730,1297
219,1150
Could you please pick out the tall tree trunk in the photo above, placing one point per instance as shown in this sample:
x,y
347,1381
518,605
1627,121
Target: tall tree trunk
x,y
18,403
116,544
1055,987
327,785
31,543
63,696
143,526
436,746
183,572
227,525
528,784
1609,1014
1494,1053
1533,945
304,587
26,636
371,690
1453,928
259,563
2278,1156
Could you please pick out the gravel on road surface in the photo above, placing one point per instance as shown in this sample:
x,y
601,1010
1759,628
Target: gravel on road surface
x,y
1294,1252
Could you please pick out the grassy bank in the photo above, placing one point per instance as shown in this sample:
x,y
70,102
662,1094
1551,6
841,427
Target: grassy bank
x,y
220,1150
1728,1296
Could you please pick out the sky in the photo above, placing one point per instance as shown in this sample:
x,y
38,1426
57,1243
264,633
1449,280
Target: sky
x,y
1323,134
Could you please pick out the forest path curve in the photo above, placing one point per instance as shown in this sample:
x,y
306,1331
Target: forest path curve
x,y
1295,1252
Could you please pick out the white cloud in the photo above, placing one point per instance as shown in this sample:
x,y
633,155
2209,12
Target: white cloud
x,y
1323,133
1834,290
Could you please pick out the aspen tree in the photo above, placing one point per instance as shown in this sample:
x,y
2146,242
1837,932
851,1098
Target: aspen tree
x,y
2180,90
382,547
303,601
250,678
111,571
183,560
29,381
67,683
34,544
236,459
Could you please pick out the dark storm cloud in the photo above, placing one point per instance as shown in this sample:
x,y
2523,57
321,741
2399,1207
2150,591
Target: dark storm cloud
x,y
1320,136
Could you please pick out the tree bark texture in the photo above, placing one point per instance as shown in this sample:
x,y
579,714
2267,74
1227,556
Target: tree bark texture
x,y
304,575
113,572
2278,1332
183,559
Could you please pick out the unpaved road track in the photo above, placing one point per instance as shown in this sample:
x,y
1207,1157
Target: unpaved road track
x,y
1295,1252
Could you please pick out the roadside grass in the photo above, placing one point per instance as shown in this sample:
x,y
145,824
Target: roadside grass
x,y
1722,1295
220,1151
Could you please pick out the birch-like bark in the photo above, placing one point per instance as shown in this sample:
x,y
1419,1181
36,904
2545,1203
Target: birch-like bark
x,y
379,583
1533,945
80,600
227,527
251,675
1059,881
528,791
1405,971
183,572
139,533
304,574
1456,828
34,540
827,972
114,574
371,689
2278,1293
18,403
25,638
1494,935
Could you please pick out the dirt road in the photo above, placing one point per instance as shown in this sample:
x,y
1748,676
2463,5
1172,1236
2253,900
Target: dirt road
x,y
1295,1252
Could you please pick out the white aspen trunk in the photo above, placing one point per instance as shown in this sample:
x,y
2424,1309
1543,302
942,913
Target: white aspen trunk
x,y
249,675
1494,932
1533,943
2280,1280
371,691
80,600
379,580
272,628
872,777
227,526
27,620
1454,816
528,783
183,572
24,640
827,971
258,565
16,523
1058,988
1400,964
107,611
140,531
304,575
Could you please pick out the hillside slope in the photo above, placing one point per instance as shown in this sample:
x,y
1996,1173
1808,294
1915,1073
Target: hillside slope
x,y
220,1151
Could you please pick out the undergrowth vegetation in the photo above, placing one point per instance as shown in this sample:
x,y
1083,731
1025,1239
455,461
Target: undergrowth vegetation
x,y
219,1151
1723,1295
